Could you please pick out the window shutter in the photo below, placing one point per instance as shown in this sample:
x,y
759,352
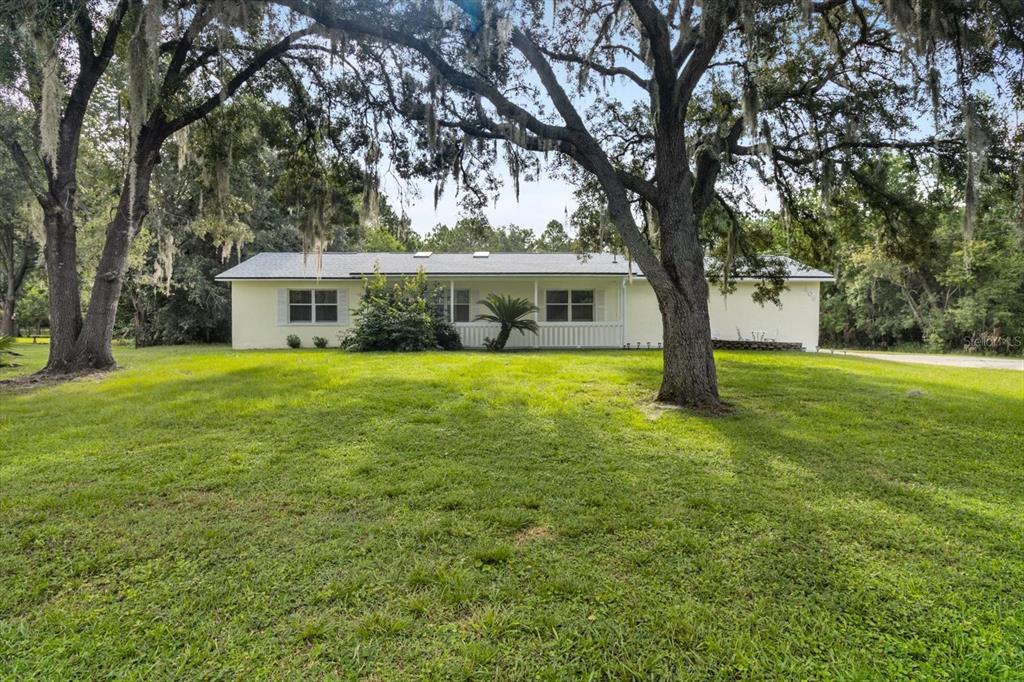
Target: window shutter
x,y
542,303
474,307
598,305
343,307
282,306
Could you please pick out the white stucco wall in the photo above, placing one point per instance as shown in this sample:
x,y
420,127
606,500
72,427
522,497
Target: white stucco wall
x,y
254,313
257,323
734,316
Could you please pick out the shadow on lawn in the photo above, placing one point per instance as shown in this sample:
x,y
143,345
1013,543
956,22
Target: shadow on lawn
x,y
865,435
328,474
859,434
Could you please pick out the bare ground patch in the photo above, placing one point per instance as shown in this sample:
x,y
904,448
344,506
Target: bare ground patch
x,y
534,534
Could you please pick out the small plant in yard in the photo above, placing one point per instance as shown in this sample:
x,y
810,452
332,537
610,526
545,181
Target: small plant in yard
x,y
510,313
319,342
6,351
293,341
446,336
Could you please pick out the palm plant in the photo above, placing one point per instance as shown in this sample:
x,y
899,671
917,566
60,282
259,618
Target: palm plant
x,y
509,313
6,349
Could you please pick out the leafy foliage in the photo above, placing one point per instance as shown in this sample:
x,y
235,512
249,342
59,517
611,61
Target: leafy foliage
x,y
902,275
396,316
511,314
293,341
232,193
6,350
320,342
476,233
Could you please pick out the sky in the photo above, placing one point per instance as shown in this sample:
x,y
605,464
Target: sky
x,y
548,199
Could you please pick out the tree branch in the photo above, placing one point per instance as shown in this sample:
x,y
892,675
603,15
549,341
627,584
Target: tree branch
x,y
709,165
37,187
237,81
597,66
174,74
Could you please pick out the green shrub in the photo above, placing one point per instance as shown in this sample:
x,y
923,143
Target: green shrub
x,y
319,342
446,336
396,316
293,341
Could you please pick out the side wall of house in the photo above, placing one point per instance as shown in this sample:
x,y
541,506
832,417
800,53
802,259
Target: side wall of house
x,y
259,313
735,316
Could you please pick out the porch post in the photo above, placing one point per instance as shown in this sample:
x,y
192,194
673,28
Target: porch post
x,y
622,313
451,301
536,313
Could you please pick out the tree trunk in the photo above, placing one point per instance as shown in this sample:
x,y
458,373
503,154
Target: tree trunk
x,y
141,332
503,335
688,378
10,301
7,327
93,347
65,303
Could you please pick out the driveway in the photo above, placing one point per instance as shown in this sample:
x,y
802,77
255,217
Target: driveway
x,y
944,360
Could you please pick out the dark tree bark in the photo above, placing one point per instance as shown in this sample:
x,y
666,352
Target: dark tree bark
x,y
503,334
18,254
93,346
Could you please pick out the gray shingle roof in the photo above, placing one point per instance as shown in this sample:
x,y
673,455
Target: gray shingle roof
x,y
357,265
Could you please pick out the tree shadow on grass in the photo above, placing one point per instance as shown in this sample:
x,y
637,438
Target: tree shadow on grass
x,y
838,445
344,492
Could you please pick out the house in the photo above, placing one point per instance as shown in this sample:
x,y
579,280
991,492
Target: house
x,y
594,301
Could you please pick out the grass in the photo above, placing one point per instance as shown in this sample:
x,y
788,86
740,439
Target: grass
x,y
212,514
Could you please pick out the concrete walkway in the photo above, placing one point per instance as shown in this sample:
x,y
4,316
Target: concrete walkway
x,y
944,360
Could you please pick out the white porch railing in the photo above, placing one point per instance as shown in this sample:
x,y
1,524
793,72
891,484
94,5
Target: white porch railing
x,y
552,335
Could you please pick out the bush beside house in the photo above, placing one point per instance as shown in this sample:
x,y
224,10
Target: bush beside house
x,y
398,316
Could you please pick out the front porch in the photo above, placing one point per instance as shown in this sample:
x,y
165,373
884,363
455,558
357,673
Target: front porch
x,y
571,312
552,335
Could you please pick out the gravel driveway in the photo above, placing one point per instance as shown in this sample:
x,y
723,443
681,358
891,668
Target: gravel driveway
x,y
945,360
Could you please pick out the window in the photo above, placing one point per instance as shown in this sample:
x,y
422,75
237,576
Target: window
x,y
583,305
326,305
558,306
439,302
312,305
565,305
300,306
461,305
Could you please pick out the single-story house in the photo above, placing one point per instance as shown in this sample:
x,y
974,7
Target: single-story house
x,y
594,301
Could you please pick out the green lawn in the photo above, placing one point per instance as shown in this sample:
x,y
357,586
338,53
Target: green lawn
x,y
208,514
